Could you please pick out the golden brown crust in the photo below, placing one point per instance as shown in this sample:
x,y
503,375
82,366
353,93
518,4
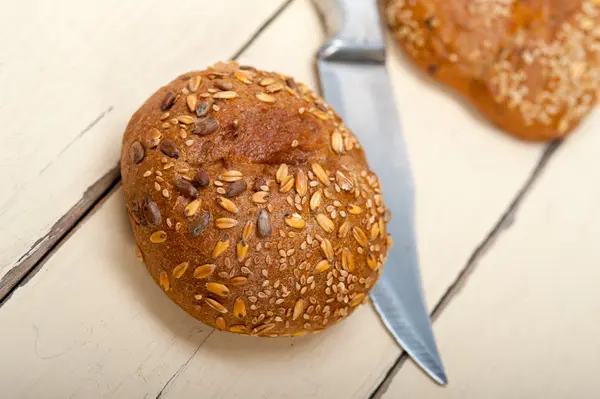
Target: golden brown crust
x,y
260,216
530,66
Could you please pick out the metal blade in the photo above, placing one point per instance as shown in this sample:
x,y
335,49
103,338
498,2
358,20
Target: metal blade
x,y
361,93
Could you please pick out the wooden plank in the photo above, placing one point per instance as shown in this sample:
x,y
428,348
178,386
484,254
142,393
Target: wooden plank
x,y
525,325
70,81
466,175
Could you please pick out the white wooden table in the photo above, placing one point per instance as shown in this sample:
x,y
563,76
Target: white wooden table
x,y
508,232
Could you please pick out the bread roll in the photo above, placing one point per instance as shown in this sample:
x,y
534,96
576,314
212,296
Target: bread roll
x,y
251,203
531,67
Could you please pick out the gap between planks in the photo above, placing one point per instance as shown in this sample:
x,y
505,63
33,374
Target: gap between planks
x,y
502,225
93,197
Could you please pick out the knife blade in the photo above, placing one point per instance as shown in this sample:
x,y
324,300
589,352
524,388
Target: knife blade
x,y
354,80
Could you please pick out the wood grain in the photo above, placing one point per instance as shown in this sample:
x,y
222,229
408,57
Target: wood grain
x,y
524,326
71,81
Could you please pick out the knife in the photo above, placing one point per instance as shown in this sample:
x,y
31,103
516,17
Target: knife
x,y
354,80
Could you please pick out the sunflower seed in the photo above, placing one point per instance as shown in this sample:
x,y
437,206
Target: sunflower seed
x,y
158,237
201,179
168,101
180,269
163,280
218,289
206,126
204,271
236,188
202,109
223,85
274,88
216,305
186,188
291,84
169,148
136,152
263,224
200,225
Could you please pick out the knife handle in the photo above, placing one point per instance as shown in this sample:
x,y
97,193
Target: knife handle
x,y
354,27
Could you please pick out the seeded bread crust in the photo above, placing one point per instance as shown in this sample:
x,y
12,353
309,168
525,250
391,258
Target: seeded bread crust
x,y
532,67
251,203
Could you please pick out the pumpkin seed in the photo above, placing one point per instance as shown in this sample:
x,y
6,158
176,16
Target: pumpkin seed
x,y
206,126
168,101
201,179
236,188
136,152
151,212
169,148
186,188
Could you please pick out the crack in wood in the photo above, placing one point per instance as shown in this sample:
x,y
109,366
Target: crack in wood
x,y
505,221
